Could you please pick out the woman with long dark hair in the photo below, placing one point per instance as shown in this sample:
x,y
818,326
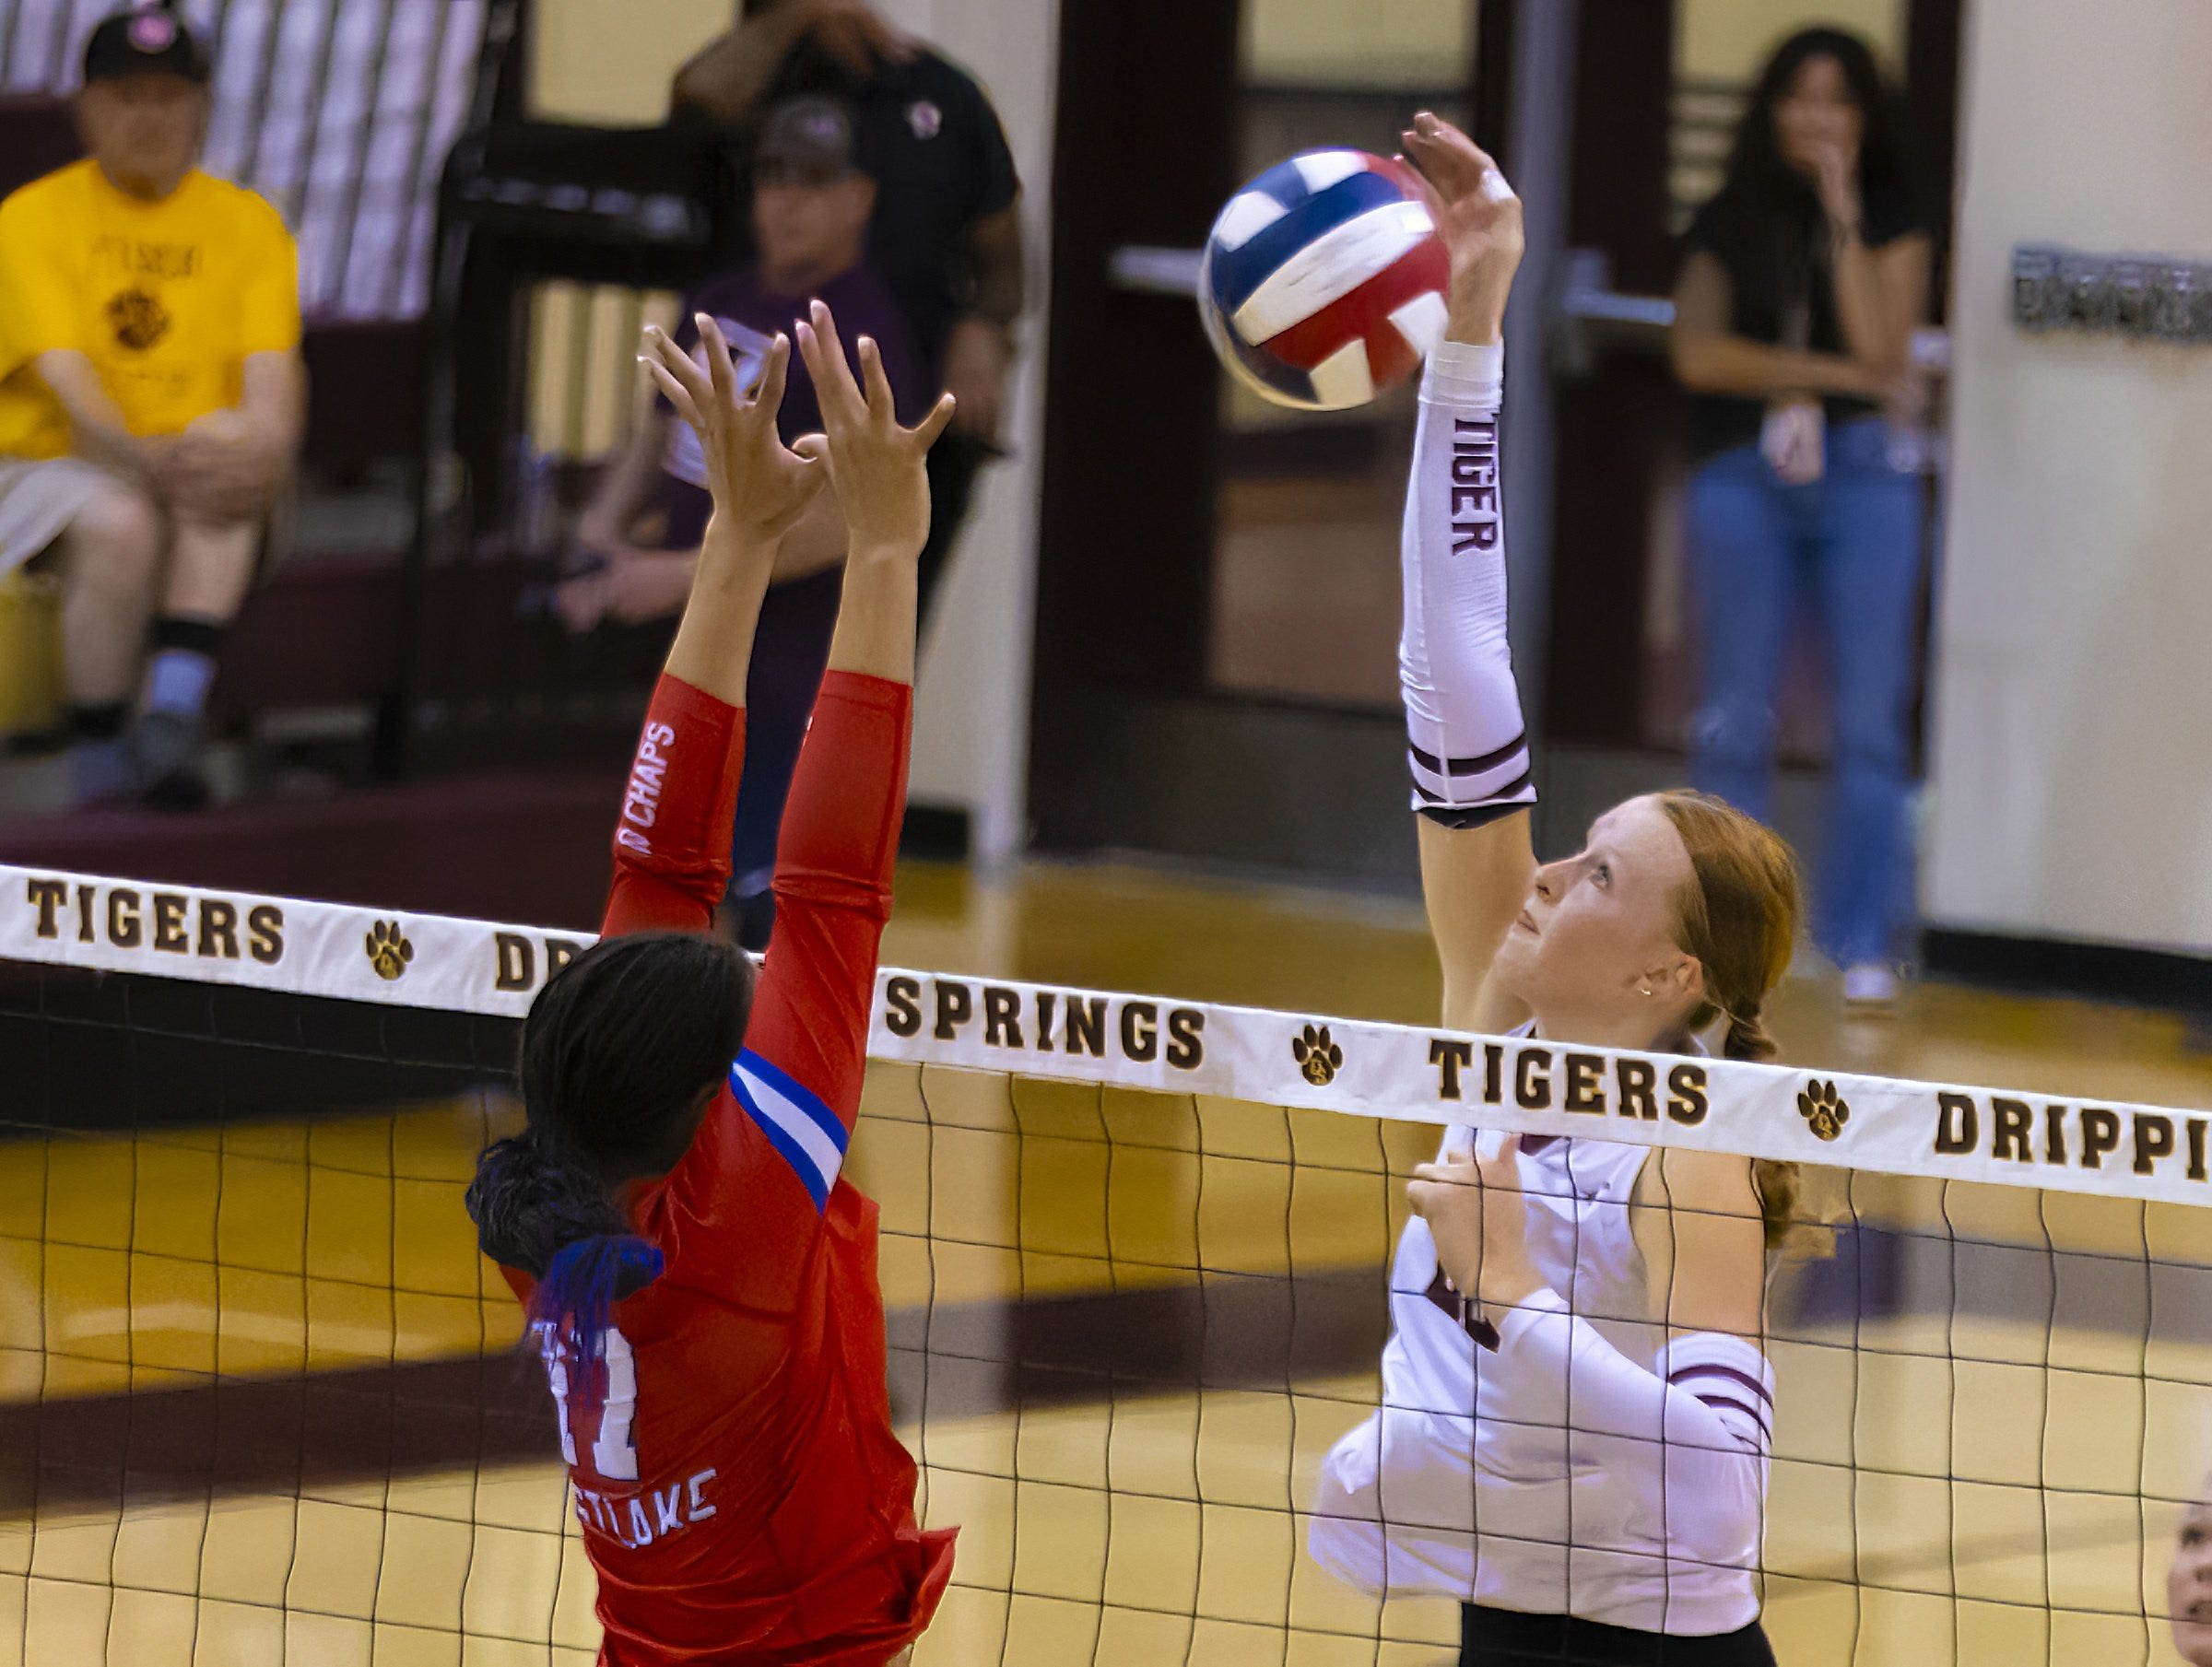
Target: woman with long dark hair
x,y
700,1279
1577,1404
1805,277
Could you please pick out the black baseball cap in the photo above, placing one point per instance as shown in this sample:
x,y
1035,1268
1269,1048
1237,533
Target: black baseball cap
x,y
146,40
812,137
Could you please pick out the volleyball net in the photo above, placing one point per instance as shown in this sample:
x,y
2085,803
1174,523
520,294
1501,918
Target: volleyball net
x,y
262,1395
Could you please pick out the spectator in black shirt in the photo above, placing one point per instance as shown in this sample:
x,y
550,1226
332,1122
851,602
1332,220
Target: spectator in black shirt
x,y
945,236
1794,319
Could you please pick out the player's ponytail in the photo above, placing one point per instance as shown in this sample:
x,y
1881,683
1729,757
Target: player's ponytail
x,y
544,1212
586,1278
622,1051
1739,918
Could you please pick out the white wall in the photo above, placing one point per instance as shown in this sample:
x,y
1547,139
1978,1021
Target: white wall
x,y
971,725
2072,765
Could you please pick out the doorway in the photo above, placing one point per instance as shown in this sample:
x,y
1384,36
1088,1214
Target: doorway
x,y
1217,607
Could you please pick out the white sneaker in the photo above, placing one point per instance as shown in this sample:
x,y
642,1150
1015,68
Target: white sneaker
x,y
1869,986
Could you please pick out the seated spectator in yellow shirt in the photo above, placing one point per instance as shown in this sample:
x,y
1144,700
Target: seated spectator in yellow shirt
x,y
151,400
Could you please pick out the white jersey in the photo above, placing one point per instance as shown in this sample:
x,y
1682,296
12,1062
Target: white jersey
x,y
1583,1466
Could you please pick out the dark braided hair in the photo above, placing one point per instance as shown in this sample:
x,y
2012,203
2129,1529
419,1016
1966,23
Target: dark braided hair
x,y
621,1052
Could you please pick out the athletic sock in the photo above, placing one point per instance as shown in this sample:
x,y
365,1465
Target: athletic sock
x,y
182,669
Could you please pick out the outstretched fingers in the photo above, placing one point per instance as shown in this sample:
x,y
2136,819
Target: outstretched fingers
x,y
882,403
1450,162
768,394
720,374
674,373
926,431
1432,199
838,395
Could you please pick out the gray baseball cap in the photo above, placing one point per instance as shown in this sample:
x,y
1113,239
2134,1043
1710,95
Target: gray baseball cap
x,y
810,138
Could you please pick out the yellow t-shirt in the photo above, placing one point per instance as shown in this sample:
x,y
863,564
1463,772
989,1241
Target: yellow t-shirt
x,y
168,299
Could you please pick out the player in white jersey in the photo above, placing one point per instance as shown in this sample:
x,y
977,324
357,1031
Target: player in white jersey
x,y
1577,1409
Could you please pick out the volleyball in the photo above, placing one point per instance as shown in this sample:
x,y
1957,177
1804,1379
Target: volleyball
x,y
1322,281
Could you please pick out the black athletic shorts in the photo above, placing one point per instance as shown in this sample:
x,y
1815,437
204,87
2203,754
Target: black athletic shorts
x,y
1506,1637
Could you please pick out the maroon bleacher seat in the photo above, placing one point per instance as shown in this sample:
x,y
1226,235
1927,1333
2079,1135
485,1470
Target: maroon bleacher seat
x,y
37,136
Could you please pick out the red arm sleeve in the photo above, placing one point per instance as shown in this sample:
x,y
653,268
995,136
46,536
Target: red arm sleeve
x,y
833,890
672,845
744,1206
740,1212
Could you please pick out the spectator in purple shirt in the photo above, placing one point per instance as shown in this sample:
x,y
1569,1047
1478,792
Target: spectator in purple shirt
x,y
641,534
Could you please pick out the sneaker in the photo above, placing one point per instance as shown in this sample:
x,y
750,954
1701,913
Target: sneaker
x,y
170,749
1869,987
102,774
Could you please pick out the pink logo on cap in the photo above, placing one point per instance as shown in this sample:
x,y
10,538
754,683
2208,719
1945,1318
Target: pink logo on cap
x,y
153,31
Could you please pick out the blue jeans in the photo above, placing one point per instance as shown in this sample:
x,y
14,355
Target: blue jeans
x,y
1852,542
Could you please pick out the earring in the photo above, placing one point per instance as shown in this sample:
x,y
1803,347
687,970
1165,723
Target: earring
x,y
1645,990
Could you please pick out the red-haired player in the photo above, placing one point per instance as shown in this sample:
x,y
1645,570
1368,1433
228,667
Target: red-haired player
x,y
701,1281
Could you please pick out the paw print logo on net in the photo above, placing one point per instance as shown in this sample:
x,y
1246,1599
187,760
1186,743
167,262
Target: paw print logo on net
x,y
1319,1059
1825,1110
389,951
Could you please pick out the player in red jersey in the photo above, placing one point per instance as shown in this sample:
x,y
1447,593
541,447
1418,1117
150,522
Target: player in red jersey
x,y
701,1280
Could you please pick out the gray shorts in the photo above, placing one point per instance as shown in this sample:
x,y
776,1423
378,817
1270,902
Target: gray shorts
x,y
39,498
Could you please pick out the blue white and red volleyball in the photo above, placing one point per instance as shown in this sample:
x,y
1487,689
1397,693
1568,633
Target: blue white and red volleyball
x,y
1323,280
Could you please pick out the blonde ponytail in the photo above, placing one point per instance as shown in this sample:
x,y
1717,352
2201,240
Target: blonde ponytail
x,y
1739,918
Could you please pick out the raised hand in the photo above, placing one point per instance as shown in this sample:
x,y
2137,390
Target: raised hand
x,y
851,34
760,487
1478,216
1478,1217
876,467
1836,177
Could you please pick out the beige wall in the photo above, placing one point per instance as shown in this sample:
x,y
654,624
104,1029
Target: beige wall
x,y
610,61
1729,39
1387,43
2073,702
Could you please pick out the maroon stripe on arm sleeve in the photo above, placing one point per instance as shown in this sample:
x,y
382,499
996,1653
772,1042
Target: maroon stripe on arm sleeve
x,y
672,838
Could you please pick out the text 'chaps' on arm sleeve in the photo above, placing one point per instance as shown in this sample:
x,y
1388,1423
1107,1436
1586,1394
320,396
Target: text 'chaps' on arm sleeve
x,y
672,841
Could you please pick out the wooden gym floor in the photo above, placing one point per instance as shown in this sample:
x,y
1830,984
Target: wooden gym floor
x,y
259,1400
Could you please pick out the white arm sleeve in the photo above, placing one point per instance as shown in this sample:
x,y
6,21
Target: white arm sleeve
x,y
1466,743
1700,1434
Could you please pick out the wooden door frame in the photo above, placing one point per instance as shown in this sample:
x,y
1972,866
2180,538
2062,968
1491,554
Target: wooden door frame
x,y
1130,745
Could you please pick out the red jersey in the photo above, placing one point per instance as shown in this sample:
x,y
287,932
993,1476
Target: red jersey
x,y
742,1495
